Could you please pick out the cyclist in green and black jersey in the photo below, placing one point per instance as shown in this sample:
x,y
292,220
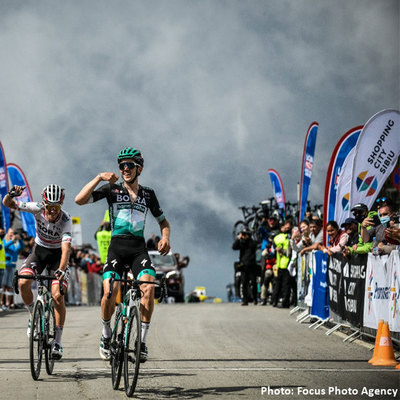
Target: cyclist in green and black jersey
x,y
128,204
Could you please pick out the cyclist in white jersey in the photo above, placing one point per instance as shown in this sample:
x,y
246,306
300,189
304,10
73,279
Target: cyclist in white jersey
x,y
51,250
128,205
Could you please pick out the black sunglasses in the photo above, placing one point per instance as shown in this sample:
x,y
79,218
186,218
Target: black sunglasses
x,y
129,165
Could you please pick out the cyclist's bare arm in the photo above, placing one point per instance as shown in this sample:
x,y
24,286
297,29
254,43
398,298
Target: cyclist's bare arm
x,y
65,250
9,201
84,195
163,244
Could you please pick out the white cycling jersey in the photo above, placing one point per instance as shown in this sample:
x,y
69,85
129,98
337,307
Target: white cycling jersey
x,y
48,234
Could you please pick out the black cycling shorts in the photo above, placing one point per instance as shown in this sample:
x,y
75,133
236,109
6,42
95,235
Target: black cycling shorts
x,y
41,258
128,252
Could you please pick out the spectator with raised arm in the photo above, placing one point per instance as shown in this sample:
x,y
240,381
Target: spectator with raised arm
x,y
182,262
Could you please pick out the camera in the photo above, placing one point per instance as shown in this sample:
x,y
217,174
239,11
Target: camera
x,y
376,220
395,218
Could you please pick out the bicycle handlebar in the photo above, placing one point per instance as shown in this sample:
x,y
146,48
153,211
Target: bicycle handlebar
x,y
40,278
136,284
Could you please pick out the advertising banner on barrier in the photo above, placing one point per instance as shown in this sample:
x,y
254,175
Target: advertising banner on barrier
x,y
18,178
277,186
338,178
353,288
381,298
335,285
346,280
377,291
394,300
320,297
301,279
307,167
309,261
375,157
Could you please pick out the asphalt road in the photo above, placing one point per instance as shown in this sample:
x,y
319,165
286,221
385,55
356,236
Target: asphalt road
x,y
200,351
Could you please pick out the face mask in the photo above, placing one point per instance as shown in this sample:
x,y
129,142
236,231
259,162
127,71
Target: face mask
x,y
359,218
385,219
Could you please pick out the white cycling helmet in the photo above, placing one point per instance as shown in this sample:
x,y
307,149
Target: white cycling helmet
x,y
53,194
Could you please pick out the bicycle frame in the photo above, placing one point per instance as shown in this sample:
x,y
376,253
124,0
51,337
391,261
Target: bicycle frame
x,y
122,354
131,297
45,308
44,297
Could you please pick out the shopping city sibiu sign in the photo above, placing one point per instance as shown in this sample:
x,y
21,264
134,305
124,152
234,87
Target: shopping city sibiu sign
x,y
375,156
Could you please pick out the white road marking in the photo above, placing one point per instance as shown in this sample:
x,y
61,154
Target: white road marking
x,y
216,369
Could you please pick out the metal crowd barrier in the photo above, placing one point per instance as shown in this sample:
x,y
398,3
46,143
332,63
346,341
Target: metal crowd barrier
x,y
334,322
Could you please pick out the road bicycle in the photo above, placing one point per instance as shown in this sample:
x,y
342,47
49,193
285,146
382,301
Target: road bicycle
x,y
43,323
252,220
126,335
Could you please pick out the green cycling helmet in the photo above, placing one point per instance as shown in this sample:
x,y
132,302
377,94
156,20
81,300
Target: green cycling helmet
x,y
131,152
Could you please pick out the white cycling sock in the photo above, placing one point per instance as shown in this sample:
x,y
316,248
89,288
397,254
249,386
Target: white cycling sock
x,y
59,332
106,328
30,308
145,328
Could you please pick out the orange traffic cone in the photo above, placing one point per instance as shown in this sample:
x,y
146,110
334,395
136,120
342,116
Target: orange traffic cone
x,y
377,340
385,352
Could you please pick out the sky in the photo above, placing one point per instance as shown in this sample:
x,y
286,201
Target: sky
x,y
212,92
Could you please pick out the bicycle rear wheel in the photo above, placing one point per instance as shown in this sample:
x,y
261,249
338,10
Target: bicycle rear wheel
x,y
132,352
36,341
237,228
50,335
117,350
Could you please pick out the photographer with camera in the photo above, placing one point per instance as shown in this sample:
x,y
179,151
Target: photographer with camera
x,y
377,226
248,266
393,231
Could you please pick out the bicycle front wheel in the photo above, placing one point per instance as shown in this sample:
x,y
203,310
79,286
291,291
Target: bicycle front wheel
x,y
117,350
237,228
50,336
36,341
132,352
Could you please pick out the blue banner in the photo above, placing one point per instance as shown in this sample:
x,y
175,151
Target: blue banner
x,y
18,178
5,212
307,167
277,186
320,295
339,167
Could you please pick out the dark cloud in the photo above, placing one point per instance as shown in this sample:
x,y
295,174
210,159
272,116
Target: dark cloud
x,y
213,92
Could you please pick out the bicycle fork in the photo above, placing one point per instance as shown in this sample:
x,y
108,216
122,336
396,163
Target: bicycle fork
x,y
133,302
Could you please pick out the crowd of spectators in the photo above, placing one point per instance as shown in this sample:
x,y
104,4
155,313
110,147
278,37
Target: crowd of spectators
x,y
376,230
